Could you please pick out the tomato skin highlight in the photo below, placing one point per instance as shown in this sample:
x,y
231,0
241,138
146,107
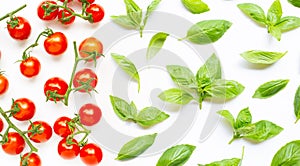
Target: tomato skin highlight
x,y
4,84
57,85
56,44
91,154
90,45
15,144
68,151
62,14
30,67
85,75
41,12
61,127
26,109
44,128
90,114
32,160
96,11
20,32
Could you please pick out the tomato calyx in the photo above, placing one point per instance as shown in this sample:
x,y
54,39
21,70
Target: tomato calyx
x,y
86,86
35,129
10,14
48,8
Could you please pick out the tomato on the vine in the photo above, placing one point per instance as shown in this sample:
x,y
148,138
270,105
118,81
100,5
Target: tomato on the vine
x,y
55,85
66,17
39,131
19,28
47,14
14,145
68,150
4,84
89,1
96,11
62,128
25,107
32,160
90,114
85,76
1,125
30,67
56,44
91,154
90,46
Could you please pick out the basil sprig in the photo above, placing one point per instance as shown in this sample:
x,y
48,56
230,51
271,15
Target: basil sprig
x,y
156,43
270,88
195,6
262,57
288,155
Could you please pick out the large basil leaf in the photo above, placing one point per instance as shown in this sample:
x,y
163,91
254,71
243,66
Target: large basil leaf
x,y
244,118
274,13
156,43
288,23
225,89
253,11
176,96
297,104
122,109
182,76
262,57
195,6
269,89
296,3
288,155
225,162
228,116
150,116
134,11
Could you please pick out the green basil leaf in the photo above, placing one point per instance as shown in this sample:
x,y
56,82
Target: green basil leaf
x,y
228,116
156,43
208,31
275,32
123,110
127,66
134,11
136,147
253,11
262,57
195,6
176,156
288,23
124,21
295,3
176,96
243,119
150,9
150,116
225,162
297,104
288,155
182,76
274,13
225,89
269,89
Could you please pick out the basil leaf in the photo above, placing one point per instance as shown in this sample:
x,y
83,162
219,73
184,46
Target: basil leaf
x,y
136,147
297,104
156,43
253,11
244,118
150,116
269,89
123,110
195,6
288,155
176,156
225,89
225,162
134,12
182,76
124,21
295,3
288,23
275,32
228,116
262,57
208,31
150,9
127,66
176,96
274,13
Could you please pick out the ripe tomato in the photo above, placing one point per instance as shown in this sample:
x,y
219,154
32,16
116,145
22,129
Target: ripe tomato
x,y
56,44
19,28
47,14
32,160
1,125
30,67
90,114
15,144
90,46
26,109
89,1
44,132
57,85
91,154
97,12
85,76
66,17
61,126
68,151
4,84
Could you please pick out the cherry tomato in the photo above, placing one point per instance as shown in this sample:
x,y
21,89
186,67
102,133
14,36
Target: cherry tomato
x,y
89,1
44,132
91,154
57,85
90,46
32,160
19,28
1,125
66,17
4,84
85,76
68,151
15,144
47,14
56,44
26,109
61,126
96,11
90,114
30,67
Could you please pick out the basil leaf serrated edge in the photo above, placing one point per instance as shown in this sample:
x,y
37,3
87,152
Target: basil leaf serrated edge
x,y
122,109
297,104
262,57
288,155
270,88
176,96
195,6
136,146
253,11
156,43
150,116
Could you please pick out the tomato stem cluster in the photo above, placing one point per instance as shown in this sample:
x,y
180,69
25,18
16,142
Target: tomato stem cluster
x,y
10,14
76,125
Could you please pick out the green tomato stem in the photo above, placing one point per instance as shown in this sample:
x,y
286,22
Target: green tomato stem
x,y
13,12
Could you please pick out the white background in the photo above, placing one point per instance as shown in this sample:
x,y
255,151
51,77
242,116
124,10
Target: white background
x,y
242,36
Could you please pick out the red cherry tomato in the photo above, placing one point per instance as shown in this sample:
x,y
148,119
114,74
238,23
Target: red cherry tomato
x,y
91,154
26,109
1,125
90,46
46,13
4,84
66,17
56,44
61,126
57,85
90,114
96,11
68,151
85,76
32,160
15,144
30,67
19,28
89,1
44,132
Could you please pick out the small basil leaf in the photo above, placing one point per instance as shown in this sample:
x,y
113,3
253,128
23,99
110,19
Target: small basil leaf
x,y
297,104
262,57
150,9
150,116
176,96
243,119
133,109
124,21
127,66
269,89
176,156
225,162
275,32
195,6
295,3
182,76
156,43
228,116
123,110
274,13
208,31
288,155
288,23
136,147
253,11
133,11
225,89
